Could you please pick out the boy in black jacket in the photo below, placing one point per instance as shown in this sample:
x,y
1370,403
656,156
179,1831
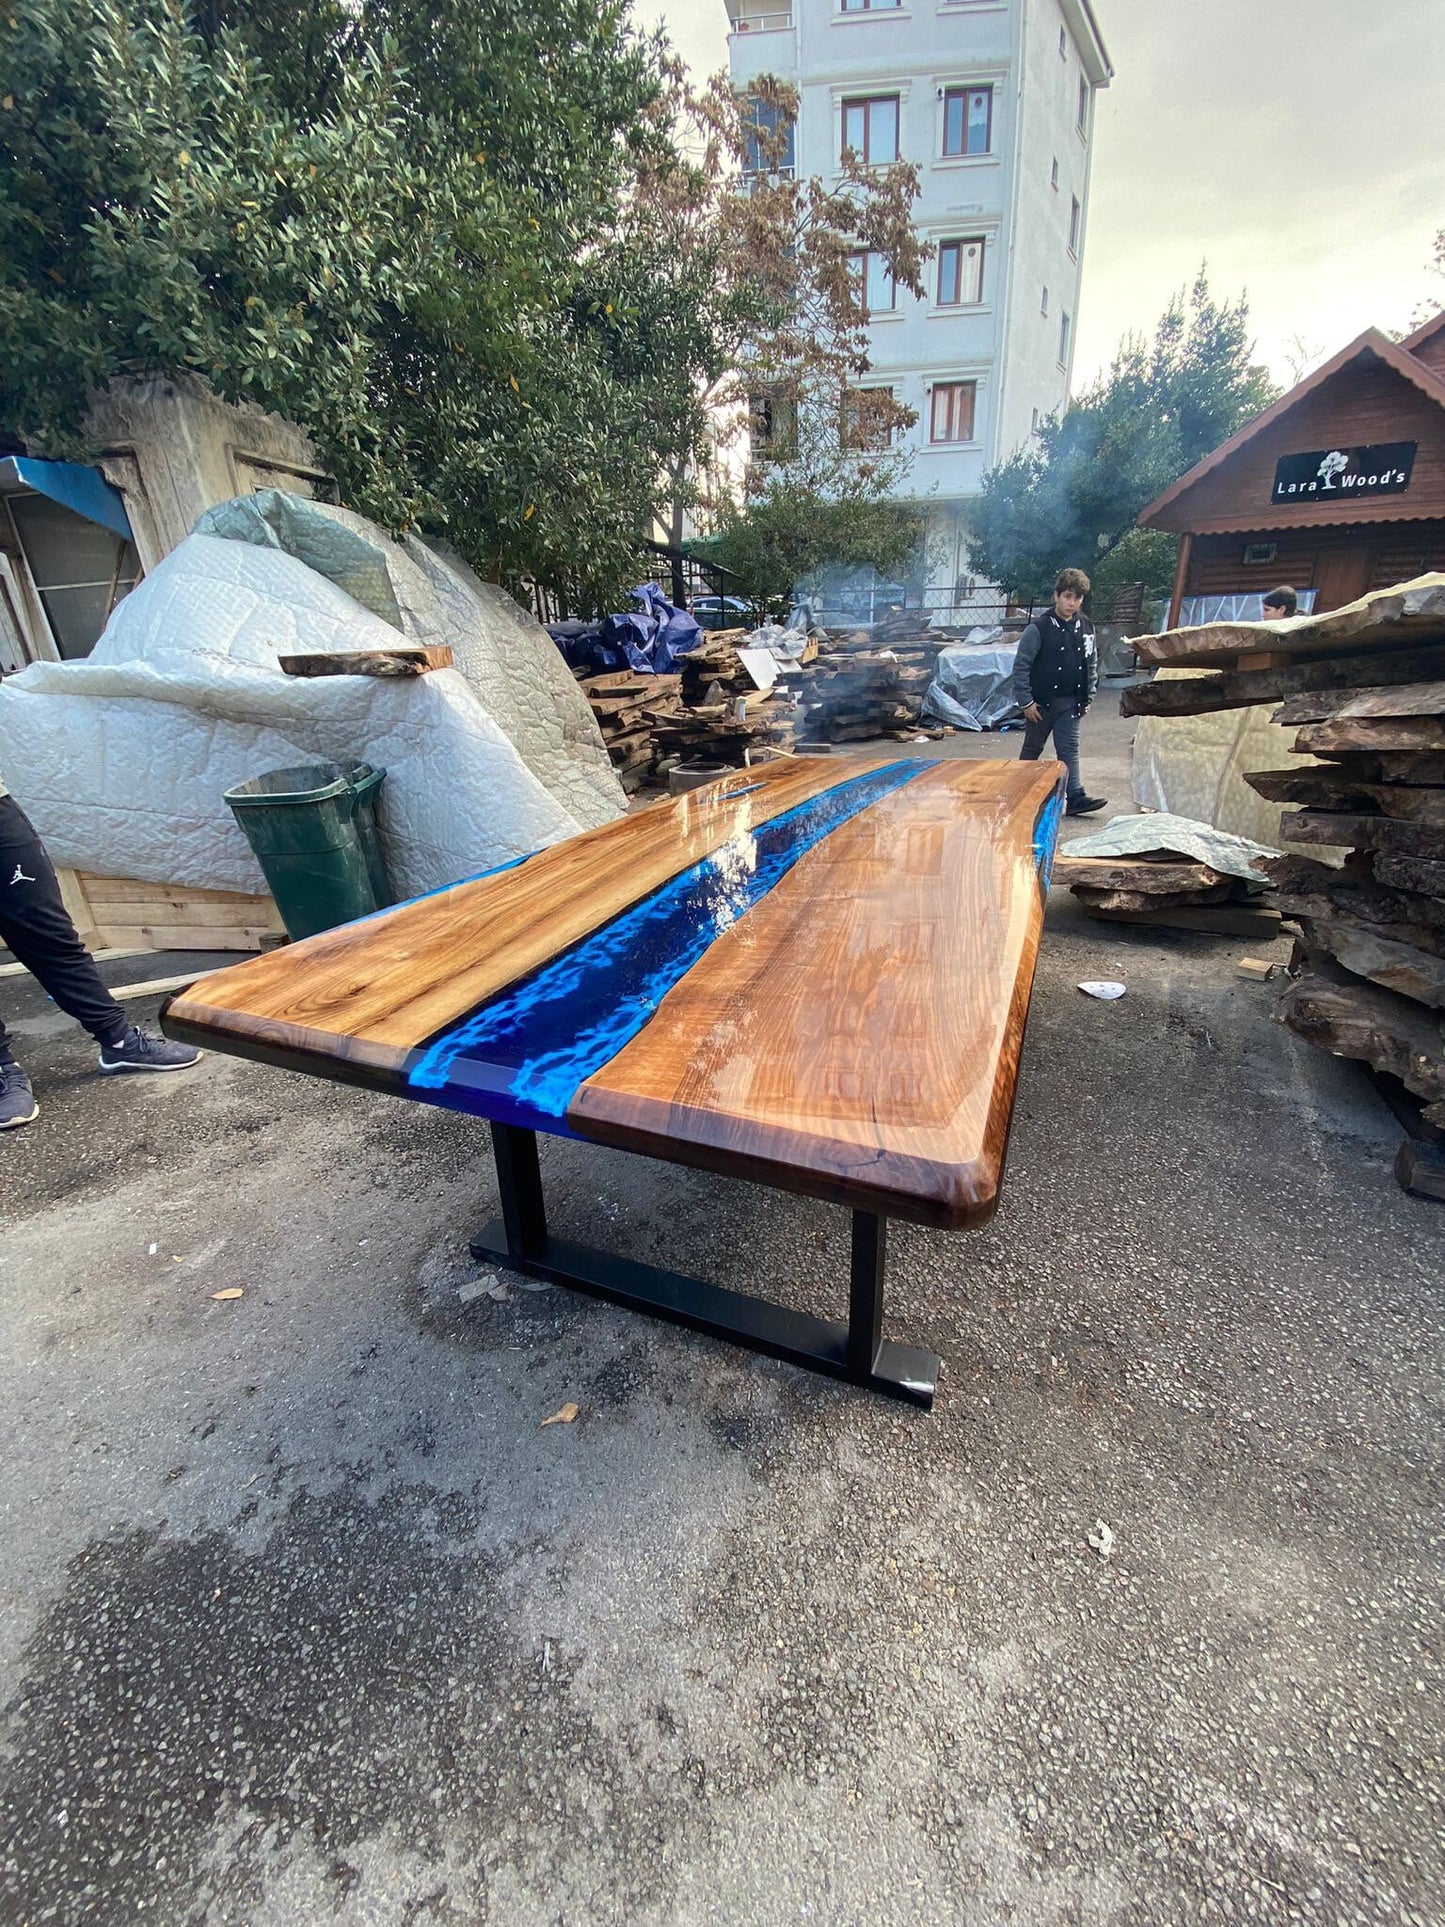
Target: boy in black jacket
x,y
1055,675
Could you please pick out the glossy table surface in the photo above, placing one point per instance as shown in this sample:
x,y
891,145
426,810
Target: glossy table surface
x,y
814,974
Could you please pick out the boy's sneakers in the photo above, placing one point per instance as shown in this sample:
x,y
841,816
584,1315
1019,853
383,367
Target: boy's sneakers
x,y
1086,805
17,1100
137,1050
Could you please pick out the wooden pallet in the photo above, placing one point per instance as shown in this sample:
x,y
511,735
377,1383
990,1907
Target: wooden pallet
x,y
125,913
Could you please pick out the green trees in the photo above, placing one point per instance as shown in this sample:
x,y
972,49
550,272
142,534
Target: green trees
x,y
1163,405
460,241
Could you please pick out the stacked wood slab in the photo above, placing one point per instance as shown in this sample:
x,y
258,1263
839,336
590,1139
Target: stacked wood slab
x,y
1365,688
694,714
871,682
629,709
1167,891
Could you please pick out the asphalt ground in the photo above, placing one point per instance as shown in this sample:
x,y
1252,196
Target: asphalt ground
x,y
307,1617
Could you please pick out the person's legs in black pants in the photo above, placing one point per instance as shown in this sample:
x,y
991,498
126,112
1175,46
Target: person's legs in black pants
x,y
1060,718
35,927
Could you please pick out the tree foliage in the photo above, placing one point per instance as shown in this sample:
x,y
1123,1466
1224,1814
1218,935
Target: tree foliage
x,y
821,492
494,255
1072,498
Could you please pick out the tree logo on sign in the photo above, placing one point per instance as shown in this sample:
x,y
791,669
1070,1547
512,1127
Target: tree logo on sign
x,y
1334,464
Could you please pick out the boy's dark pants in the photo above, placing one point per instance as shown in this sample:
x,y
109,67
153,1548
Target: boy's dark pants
x,y
34,926
1061,717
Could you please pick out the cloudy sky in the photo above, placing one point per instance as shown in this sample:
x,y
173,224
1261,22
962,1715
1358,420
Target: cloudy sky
x,y
1297,145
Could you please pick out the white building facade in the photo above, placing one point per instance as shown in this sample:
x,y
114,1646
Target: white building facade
x,y
993,100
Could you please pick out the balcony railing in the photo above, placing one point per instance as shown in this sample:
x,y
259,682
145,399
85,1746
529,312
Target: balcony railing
x,y
762,23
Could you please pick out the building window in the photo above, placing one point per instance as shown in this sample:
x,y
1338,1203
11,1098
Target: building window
x,y
869,6
1034,423
870,128
953,411
770,148
1074,213
773,427
960,273
968,120
1064,326
1044,304
1083,122
1063,44
81,570
862,429
1054,177
873,283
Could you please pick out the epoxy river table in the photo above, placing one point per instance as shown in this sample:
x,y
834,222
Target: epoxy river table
x,y
814,974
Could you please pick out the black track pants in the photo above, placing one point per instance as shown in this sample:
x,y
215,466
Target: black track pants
x,y
34,926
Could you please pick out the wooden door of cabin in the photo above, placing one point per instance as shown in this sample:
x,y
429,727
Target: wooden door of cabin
x,y
1341,575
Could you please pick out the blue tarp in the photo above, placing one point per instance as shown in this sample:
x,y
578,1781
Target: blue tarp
x,y
84,490
648,639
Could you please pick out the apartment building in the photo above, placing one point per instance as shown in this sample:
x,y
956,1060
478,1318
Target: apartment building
x,y
994,102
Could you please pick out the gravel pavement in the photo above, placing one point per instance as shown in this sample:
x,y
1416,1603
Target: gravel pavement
x,y
308,1618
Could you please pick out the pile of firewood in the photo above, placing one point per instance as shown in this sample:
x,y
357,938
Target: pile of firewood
x,y
871,682
630,708
1170,891
711,711
1365,686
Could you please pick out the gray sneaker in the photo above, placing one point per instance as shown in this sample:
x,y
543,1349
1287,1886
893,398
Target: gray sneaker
x,y
139,1051
17,1100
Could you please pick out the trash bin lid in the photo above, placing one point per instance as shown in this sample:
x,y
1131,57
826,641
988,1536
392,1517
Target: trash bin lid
x,y
302,783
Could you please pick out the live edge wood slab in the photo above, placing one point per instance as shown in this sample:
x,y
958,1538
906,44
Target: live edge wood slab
x,y
814,974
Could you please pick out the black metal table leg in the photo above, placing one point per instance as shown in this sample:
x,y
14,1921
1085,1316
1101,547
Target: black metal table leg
x,y
856,1351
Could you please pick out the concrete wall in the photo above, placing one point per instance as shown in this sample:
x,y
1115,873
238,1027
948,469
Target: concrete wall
x,y
174,448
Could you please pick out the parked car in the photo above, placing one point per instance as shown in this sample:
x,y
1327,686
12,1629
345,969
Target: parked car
x,y
721,612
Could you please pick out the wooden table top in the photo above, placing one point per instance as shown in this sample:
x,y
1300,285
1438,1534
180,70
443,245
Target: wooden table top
x,y
814,974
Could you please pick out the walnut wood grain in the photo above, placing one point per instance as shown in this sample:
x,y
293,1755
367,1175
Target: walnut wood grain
x,y
372,992
856,1035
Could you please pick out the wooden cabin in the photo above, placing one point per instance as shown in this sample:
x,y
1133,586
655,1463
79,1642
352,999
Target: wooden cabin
x,y
1336,489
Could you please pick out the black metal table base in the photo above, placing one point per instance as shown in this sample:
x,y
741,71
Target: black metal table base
x,y
856,1352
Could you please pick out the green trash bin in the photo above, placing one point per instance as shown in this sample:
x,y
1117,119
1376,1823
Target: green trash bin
x,y
313,829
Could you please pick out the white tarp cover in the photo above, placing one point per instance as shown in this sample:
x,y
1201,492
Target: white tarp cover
x,y
972,681
122,760
1166,835
1195,765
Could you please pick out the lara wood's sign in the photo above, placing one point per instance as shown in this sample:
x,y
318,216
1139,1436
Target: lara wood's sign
x,y
1344,472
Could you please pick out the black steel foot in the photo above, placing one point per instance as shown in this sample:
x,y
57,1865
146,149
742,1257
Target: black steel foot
x,y
855,1352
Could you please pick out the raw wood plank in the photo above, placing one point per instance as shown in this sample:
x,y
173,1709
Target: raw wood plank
x,y
1364,833
1408,699
1224,920
113,953
1352,1019
1410,873
1410,613
1105,900
1323,787
158,986
1423,768
1397,966
1236,689
132,890
207,936
1367,732
407,659
1363,898
1122,873
1420,1168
